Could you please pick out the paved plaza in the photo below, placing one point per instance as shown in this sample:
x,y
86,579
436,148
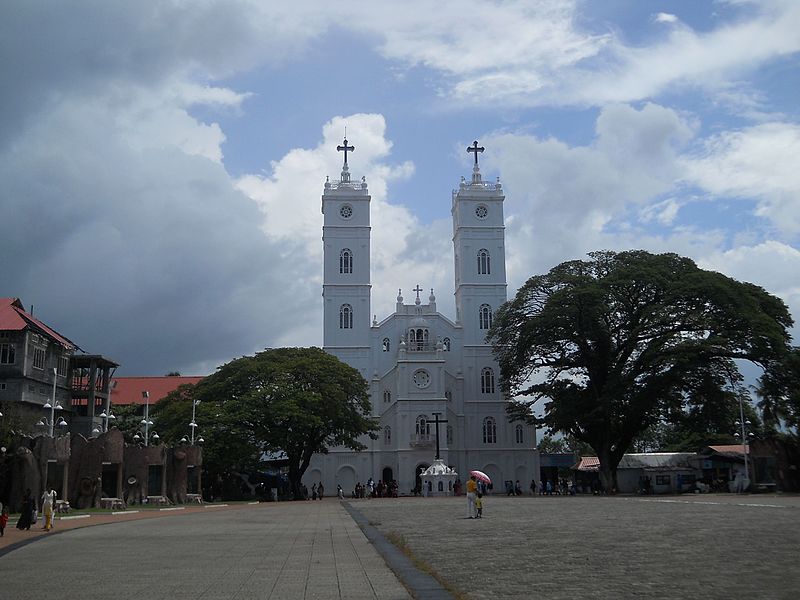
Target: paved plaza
x,y
711,546
281,551
714,546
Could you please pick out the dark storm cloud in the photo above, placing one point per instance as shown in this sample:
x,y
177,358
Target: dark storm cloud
x,y
119,222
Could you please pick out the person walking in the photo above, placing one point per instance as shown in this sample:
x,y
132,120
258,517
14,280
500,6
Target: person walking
x,y
533,487
48,503
472,490
26,512
320,490
3,521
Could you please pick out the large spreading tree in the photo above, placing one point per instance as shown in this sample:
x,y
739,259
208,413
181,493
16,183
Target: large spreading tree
x,y
298,401
616,342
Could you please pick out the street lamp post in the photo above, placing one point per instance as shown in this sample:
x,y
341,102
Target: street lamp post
x,y
52,407
106,415
146,422
193,427
745,437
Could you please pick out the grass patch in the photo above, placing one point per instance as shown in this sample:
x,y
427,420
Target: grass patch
x,y
399,541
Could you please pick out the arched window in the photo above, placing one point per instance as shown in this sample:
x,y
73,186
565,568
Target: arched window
x,y
485,316
346,317
387,396
346,261
449,434
418,339
423,427
387,435
487,381
386,344
489,431
484,266
446,344
518,435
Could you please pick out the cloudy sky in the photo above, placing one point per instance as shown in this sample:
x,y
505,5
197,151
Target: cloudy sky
x,y
162,162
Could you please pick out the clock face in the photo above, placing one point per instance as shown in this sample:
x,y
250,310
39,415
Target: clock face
x,y
481,211
346,211
422,378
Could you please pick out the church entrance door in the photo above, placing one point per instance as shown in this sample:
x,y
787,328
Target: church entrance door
x,y
418,477
388,475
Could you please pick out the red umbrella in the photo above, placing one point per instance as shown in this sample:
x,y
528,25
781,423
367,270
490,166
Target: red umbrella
x,y
481,476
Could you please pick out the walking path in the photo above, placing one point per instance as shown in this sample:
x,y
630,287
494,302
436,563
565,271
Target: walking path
x,y
282,551
15,538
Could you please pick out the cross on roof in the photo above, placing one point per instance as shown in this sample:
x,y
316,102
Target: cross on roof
x,y
347,148
436,422
475,149
418,290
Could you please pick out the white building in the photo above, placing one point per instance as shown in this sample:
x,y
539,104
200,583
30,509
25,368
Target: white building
x,y
420,363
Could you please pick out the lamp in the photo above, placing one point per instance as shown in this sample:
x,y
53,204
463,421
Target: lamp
x,y
745,436
52,407
147,423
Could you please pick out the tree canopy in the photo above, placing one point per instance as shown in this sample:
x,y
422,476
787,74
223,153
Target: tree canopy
x,y
780,393
298,401
616,342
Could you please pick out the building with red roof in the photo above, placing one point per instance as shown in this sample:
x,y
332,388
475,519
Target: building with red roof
x,y
39,365
128,391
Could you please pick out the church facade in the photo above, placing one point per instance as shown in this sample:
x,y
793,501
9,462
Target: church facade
x,y
426,371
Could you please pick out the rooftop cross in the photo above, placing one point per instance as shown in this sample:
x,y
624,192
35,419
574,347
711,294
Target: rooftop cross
x,y
436,422
474,149
418,290
347,149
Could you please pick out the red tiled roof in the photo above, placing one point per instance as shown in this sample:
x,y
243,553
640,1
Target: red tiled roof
x,y
588,463
129,389
731,449
14,318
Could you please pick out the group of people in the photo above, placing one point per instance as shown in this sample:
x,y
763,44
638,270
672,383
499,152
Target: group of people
x,y
560,487
317,491
28,514
371,489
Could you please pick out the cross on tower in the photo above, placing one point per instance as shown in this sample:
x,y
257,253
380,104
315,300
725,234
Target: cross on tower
x,y
474,149
436,422
418,290
347,148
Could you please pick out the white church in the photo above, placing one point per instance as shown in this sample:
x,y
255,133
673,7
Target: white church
x,y
421,365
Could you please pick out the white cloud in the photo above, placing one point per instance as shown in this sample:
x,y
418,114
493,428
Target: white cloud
x,y
759,162
663,17
530,54
562,201
404,252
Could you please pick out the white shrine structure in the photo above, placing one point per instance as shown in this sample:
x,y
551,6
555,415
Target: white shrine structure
x,y
421,365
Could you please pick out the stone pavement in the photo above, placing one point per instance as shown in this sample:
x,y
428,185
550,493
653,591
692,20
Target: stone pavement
x,y
709,546
14,538
279,551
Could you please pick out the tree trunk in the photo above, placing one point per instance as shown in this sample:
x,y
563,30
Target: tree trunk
x,y
295,482
608,473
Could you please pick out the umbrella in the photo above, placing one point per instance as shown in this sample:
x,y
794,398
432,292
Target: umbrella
x,y
481,476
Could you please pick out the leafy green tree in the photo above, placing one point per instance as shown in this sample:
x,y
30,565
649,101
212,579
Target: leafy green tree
x,y
616,342
127,420
552,445
564,444
779,393
298,401
171,415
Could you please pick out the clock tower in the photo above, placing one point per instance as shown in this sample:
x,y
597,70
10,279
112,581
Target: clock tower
x,y
346,268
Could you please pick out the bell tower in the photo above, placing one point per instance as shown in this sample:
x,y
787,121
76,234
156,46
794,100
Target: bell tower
x,y
346,267
479,250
